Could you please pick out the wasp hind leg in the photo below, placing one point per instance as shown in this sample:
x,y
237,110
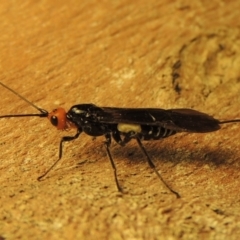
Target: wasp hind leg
x,y
152,165
126,139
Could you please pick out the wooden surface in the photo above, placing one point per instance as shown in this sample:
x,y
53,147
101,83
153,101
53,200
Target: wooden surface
x,y
164,54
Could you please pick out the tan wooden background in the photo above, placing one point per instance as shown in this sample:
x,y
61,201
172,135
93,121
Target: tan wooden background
x,y
125,54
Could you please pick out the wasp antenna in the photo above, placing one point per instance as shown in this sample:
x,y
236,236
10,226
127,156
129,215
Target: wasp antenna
x,y
43,112
229,121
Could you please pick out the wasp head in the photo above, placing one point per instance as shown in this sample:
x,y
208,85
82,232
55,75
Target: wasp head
x,y
58,118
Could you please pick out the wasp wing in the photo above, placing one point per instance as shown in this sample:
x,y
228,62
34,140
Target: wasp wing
x,y
181,120
193,121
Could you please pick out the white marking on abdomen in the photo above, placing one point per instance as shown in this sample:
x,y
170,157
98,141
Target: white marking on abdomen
x,y
126,128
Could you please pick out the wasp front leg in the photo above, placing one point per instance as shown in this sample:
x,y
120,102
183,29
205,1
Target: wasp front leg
x,y
64,139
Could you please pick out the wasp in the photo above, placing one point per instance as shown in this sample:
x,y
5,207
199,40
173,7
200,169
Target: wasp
x,y
123,125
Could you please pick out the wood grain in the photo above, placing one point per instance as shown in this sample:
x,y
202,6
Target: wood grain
x,y
165,54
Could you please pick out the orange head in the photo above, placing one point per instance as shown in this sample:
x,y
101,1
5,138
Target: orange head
x,y
58,118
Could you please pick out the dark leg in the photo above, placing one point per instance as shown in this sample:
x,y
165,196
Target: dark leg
x,y
151,164
107,144
64,139
125,140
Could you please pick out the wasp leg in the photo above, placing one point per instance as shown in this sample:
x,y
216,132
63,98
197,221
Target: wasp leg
x,y
64,139
107,144
152,165
125,140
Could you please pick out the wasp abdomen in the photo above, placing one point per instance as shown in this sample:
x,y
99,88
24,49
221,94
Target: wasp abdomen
x,y
155,132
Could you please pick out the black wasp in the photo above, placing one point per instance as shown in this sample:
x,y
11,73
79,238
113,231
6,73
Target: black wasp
x,y
124,124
